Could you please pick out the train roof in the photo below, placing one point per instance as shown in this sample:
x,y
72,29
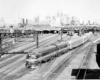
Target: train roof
x,y
39,50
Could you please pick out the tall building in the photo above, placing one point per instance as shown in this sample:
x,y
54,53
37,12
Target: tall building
x,y
65,19
89,22
37,19
27,21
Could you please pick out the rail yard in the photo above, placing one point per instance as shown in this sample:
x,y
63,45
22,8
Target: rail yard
x,y
56,55
49,39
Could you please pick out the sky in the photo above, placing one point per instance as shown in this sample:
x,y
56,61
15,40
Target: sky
x,y
12,10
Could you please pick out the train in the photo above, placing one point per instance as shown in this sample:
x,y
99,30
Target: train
x,y
47,53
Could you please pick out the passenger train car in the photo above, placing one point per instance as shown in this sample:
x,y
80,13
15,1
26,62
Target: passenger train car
x,y
44,54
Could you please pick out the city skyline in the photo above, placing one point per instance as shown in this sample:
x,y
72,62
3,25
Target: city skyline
x,y
84,10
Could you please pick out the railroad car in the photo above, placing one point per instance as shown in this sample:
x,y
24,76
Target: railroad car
x,y
44,54
42,51
74,43
86,37
41,60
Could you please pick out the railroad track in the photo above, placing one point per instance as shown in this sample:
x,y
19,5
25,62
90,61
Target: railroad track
x,y
7,40
29,48
18,57
25,49
84,66
19,45
39,76
24,71
65,62
16,46
10,69
58,69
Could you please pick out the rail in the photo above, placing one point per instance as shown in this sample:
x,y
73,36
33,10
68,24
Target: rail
x,y
84,69
23,70
65,62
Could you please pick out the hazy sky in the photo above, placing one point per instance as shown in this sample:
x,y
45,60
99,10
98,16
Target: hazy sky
x,y
11,10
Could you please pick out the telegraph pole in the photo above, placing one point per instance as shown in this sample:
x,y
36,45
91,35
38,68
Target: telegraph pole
x,y
0,45
61,33
37,41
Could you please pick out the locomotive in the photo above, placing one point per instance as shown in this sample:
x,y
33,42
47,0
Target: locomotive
x,y
47,53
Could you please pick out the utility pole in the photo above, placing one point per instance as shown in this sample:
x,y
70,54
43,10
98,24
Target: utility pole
x,y
0,44
37,41
61,33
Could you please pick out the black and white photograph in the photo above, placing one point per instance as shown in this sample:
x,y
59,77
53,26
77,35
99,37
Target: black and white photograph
x,y
49,39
